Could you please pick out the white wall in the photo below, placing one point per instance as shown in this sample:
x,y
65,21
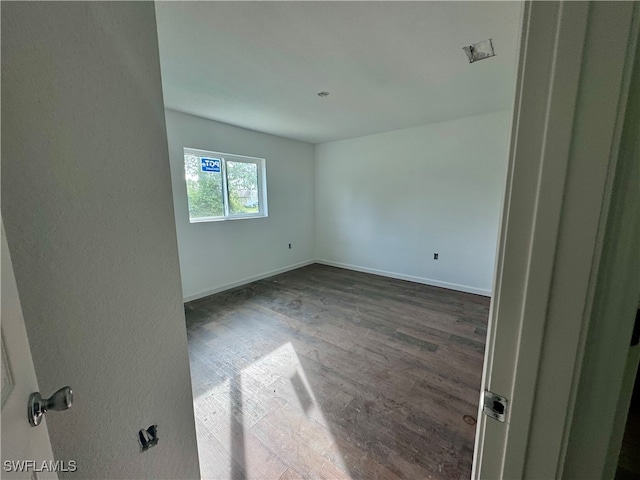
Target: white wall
x,y
386,202
86,202
219,255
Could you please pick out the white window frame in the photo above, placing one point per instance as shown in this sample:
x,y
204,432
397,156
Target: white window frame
x,y
230,157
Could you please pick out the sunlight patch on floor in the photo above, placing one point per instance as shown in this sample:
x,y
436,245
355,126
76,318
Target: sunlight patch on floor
x,y
265,420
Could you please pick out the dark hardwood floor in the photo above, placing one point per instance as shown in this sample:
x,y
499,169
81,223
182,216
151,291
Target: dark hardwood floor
x,y
327,373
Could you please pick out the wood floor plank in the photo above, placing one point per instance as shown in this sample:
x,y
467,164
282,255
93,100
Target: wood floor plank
x,y
328,373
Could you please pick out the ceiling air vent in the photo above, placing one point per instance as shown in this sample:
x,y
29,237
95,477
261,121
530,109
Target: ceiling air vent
x,y
479,51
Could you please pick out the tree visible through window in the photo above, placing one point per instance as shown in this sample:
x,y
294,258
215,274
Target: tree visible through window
x,y
242,181
221,186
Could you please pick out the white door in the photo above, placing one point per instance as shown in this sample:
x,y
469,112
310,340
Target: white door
x,y
21,443
573,76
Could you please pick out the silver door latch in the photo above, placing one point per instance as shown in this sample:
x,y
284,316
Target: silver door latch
x,y
495,406
38,406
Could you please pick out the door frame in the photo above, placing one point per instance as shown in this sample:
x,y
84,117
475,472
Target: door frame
x,y
572,82
608,364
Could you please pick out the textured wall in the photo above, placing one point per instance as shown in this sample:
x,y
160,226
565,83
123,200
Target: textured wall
x,y
86,199
385,203
218,255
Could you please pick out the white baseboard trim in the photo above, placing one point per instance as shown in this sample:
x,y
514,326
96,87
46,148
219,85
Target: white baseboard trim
x,y
410,278
244,281
374,271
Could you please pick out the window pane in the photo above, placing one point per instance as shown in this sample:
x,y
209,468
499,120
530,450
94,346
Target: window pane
x,y
204,189
242,183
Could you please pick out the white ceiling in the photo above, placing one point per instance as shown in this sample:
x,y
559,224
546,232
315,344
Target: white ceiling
x,y
387,65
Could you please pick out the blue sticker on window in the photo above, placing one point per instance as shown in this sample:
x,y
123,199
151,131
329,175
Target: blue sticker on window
x,y
210,165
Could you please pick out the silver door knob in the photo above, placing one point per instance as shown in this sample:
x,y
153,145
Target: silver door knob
x,y
38,406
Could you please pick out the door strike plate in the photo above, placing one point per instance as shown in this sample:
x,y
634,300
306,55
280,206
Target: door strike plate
x,y
495,406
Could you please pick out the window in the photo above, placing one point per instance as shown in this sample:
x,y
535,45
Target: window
x,y
221,186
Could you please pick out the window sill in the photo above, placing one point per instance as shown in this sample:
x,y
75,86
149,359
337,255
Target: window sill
x,y
223,219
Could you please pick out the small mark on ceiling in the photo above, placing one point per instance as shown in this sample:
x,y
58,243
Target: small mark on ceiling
x,y
480,51
323,94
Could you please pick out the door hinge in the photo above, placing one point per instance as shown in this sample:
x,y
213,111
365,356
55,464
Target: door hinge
x,y
495,406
